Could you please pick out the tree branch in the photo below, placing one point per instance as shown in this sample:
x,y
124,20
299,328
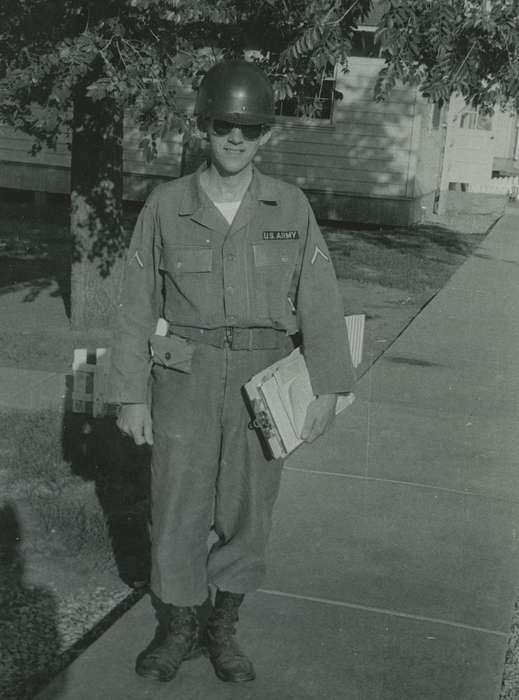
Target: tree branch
x,y
121,55
473,46
345,14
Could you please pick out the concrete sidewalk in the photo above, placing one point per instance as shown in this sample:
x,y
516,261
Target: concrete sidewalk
x,y
394,557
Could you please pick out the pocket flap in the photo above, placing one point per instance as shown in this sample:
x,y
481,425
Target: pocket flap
x,y
274,253
191,258
172,351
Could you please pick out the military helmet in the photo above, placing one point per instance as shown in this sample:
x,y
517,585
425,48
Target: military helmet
x,y
236,91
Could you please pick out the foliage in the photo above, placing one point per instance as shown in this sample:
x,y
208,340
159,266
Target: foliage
x,y
142,54
470,47
78,65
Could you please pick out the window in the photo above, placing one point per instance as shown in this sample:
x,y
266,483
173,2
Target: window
x,y
436,115
313,99
473,118
363,43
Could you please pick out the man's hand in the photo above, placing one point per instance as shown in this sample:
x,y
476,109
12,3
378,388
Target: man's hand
x,y
135,421
320,415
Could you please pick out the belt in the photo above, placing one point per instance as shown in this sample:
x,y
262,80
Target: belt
x,y
232,337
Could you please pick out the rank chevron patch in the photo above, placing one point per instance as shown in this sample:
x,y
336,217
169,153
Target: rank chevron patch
x,y
316,254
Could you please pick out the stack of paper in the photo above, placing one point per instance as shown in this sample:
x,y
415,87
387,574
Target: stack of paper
x,y
280,394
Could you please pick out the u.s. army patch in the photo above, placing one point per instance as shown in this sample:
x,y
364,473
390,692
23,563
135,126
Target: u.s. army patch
x,y
280,235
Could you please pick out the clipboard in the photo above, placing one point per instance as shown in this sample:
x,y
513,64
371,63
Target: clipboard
x,y
279,395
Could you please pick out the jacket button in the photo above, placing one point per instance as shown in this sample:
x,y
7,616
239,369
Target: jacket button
x,y
167,355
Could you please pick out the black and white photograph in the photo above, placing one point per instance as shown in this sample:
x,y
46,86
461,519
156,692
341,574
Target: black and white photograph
x,y
259,317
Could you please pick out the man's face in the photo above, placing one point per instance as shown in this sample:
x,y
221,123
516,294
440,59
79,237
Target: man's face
x,y
233,146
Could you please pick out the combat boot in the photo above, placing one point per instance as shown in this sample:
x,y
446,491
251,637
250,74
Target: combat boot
x,y
228,660
176,639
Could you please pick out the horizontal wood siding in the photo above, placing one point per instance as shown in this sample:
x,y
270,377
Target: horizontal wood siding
x,y
367,151
169,154
39,178
15,146
15,149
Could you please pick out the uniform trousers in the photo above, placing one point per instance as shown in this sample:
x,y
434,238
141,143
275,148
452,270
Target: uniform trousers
x,y
209,474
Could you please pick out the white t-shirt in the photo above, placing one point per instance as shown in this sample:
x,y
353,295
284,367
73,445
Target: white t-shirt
x,y
228,209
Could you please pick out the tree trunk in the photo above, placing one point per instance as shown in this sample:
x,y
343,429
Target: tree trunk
x,y
96,211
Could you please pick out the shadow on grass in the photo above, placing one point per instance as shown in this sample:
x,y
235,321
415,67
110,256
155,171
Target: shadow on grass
x,y
35,248
37,274
419,239
419,258
36,245
121,473
30,639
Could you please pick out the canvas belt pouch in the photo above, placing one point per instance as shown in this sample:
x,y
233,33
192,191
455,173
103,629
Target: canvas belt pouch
x,y
172,352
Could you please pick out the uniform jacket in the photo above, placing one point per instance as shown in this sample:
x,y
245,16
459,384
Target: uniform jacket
x,y
270,268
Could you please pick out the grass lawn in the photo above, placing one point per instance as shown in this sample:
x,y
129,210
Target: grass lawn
x,y
72,539
388,274
74,492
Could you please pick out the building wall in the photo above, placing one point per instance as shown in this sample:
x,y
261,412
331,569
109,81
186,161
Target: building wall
x,y
470,146
47,171
504,128
430,137
141,174
506,157
366,154
365,166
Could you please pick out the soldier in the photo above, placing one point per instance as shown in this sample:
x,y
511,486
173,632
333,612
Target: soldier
x,y
236,264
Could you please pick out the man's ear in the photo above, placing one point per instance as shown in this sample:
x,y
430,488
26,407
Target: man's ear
x,y
265,136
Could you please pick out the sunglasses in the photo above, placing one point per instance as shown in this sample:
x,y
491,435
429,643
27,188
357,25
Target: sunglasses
x,y
250,132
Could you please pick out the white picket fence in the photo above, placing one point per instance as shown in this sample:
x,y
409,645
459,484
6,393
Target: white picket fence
x,y
497,185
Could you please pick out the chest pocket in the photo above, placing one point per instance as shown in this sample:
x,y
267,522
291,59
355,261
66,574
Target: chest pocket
x,y
188,258
274,253
274,265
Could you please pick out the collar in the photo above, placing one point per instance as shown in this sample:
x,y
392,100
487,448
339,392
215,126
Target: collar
x,y
261,188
